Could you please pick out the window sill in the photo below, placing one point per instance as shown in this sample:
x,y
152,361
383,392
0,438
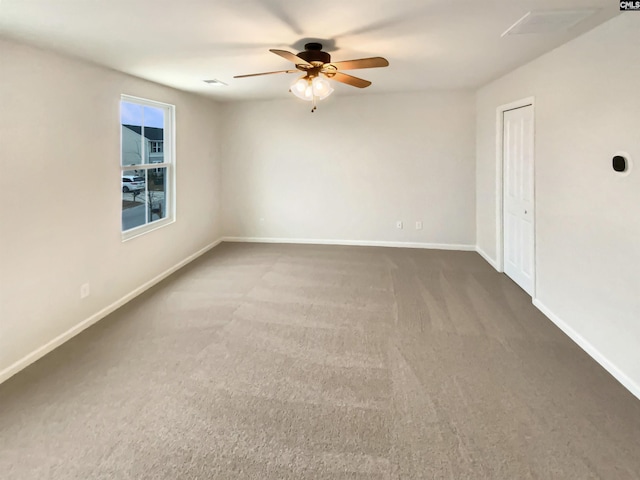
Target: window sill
x,y
144,229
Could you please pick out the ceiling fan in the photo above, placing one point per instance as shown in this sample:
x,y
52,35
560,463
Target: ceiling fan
x,y
318,67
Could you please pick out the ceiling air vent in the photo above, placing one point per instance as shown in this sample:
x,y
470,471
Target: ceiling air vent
x,y
550,21
215,82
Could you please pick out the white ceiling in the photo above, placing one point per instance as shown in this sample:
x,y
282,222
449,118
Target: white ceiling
x,y
430,44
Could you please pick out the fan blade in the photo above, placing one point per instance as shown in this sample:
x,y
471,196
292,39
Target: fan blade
x,y
265,73
373,62
290,56
350,80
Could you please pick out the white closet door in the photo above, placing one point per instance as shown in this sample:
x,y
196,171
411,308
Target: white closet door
x,y
518,198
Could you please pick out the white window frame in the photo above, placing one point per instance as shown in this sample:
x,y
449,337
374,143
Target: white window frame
x,y
169,163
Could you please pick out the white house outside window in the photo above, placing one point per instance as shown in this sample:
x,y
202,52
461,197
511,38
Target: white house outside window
x,y
146,165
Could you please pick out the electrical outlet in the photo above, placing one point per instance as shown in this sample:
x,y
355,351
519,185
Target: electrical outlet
x,y
418,225
85,290
399,224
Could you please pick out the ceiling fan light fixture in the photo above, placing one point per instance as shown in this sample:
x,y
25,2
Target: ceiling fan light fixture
x,y
319,69
311,88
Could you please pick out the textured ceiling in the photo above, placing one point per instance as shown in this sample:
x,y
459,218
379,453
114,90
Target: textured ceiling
x,y
430,44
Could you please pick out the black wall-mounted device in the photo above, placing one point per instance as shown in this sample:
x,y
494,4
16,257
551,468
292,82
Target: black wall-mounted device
x,y
619,163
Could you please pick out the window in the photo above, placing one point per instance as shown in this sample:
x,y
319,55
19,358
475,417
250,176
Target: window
x,y
146,165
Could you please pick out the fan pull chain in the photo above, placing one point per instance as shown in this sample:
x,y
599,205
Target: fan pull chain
x,y
314,104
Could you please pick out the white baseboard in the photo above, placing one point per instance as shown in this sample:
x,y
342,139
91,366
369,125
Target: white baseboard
x,y
27,360
359,243
489,260
618,374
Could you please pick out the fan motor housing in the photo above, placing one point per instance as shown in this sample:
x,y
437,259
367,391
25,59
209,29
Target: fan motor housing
x,y
313,53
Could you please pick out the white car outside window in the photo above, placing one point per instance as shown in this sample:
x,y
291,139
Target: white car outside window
x,y
132,183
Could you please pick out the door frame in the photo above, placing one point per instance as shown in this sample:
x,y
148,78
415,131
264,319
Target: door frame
x,y
524,102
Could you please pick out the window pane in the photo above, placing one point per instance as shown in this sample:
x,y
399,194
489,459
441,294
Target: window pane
x,y
154,133
133,200
131,113
142,134
131,120
157,203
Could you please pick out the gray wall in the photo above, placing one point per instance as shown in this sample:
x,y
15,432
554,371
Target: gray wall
x,y
587,107
60,200
352,169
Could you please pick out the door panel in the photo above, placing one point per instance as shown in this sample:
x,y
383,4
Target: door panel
x,y
518,196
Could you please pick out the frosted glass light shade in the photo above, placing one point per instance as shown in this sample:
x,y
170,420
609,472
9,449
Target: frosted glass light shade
x,y
307,88
321,87
301,88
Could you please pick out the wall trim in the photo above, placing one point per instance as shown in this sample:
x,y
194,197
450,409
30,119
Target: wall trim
x,y
359,243
593,352
40,352
488,259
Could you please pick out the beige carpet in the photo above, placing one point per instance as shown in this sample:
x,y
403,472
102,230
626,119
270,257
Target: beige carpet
x,y
321,362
